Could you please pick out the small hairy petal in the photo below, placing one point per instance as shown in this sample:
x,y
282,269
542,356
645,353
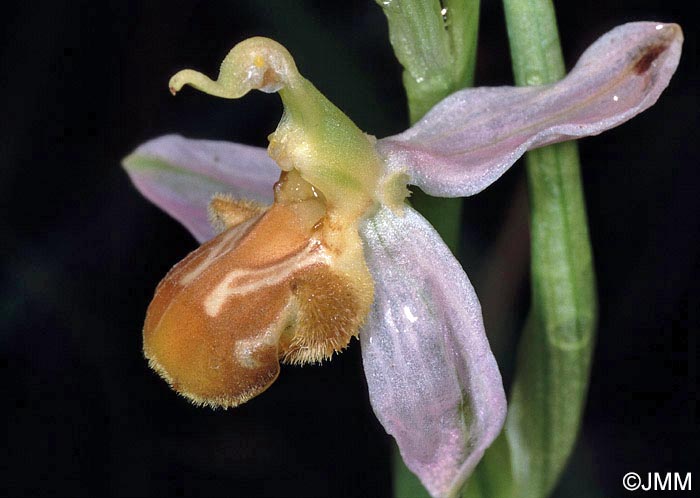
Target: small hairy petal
x,y
181,176
433,381
472,137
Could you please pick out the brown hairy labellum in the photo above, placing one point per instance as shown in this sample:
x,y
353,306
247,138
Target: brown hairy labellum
x,y
267,289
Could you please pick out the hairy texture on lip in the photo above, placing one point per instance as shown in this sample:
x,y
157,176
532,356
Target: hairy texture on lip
x,y
213,327
194,352
472,137
262,291
331,309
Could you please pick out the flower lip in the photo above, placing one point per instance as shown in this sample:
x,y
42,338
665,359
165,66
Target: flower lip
x,y
265,290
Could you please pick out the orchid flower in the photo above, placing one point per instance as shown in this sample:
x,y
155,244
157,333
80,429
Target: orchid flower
x,y
312,242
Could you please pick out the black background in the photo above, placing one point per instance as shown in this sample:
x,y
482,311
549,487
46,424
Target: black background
x,y
83,83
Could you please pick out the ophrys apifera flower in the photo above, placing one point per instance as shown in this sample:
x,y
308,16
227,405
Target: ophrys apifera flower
x,y
313,243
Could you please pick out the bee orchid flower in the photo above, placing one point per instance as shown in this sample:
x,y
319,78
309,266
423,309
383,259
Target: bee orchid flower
x,y
311,242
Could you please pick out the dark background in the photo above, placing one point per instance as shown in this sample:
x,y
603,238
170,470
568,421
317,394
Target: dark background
x,y
83,83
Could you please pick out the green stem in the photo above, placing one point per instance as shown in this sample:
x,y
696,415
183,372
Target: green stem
x,y
462,18
554,354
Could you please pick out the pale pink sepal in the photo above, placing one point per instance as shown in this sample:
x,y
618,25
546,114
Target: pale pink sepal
x,y
473,136
181,175
433,381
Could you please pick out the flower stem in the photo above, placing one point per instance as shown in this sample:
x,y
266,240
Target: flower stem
x,y
554,354
462,18
435,42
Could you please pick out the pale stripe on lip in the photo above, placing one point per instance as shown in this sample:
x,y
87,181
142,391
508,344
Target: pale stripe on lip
x,y
242,281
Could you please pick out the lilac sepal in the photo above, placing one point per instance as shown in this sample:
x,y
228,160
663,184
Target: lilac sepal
x,y
433,381
473,136
180,176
